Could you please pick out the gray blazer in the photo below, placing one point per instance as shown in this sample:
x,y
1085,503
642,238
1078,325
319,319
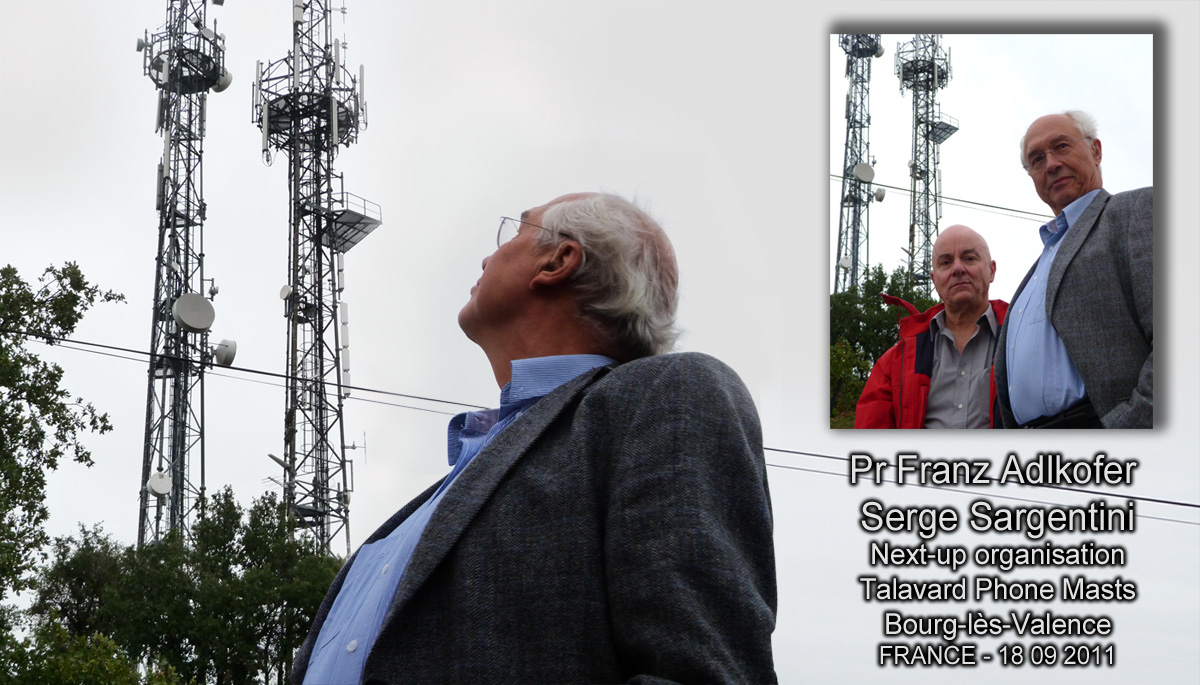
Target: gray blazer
x,y
619,530
1100,300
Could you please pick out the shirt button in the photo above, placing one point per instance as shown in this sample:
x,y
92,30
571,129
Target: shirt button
x,y
960,406
353,645
962,373
383,571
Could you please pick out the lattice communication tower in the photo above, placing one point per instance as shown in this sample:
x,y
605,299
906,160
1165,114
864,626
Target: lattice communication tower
x,y
924,68
307,105
853,251
185,59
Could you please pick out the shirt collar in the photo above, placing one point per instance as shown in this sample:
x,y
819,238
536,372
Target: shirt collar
x,y
939,320
991,320
537,376
1052,231
532,379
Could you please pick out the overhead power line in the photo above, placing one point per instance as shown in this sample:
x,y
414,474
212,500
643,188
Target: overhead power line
x,y
958,202
67,346
779,450
52,340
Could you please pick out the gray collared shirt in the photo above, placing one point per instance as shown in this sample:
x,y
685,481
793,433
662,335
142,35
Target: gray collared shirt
x,y
960,388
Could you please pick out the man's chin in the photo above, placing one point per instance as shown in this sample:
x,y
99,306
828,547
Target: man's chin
x,y
966,301
1065,195
464,319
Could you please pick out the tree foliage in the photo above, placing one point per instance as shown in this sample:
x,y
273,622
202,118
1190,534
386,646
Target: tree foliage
x,y
40,422
76,587
861,328
231,607
55,655
848,370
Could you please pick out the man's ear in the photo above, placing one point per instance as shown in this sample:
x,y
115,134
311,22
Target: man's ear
x,y
559,266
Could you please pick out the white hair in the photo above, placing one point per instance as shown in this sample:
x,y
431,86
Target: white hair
x,y
1084,122
628,281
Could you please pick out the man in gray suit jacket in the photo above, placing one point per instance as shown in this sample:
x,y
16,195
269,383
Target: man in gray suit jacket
x,y
1077,348
613,523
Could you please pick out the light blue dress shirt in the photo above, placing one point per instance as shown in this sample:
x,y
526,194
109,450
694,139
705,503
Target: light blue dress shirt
x,y
1042,379
357,613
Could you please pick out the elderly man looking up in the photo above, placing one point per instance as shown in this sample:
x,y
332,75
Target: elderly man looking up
x,y
939,373
609,522
1078,349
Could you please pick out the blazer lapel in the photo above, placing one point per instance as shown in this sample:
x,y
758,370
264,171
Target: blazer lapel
x,y
476,484
1070,246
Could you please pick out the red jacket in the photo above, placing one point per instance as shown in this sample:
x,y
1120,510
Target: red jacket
x,y
897,391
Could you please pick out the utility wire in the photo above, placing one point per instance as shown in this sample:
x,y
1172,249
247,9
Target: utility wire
x,y
68,346
52,340
1024,214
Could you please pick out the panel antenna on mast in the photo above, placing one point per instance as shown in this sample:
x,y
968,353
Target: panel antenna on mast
x,y
924,68
184,59
307,105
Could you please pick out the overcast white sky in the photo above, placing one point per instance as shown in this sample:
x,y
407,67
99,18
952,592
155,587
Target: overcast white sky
x,y
714,114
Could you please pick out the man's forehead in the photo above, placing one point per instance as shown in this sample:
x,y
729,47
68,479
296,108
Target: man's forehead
x,y
958,238
958,248
1050,128
962,251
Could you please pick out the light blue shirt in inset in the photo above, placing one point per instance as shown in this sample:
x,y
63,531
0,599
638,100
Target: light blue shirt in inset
x,y
357,614
1042,379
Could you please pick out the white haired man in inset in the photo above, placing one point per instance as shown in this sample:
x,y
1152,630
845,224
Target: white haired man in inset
x,y
1077,348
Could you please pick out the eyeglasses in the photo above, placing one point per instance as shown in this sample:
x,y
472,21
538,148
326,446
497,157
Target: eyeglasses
x,y
1036,161
510,227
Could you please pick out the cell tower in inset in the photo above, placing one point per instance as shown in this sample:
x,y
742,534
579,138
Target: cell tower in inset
x,y
923,67
853,251
185,59
307,104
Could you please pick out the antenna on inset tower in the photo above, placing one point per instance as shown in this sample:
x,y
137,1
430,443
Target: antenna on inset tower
x,y
924,68
853,254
